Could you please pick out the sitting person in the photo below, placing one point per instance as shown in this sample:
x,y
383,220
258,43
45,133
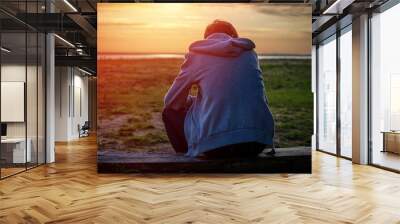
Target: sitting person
x,y
229,117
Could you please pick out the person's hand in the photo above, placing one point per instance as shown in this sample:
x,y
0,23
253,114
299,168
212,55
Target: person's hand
x,y
189,101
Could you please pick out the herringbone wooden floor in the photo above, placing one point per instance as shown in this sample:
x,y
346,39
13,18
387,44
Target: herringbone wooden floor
x,y
71,191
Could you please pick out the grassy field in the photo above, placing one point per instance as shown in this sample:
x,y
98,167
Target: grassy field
x,y
131,99
288,87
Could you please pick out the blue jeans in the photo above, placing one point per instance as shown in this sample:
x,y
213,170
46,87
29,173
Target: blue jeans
x,y
174,125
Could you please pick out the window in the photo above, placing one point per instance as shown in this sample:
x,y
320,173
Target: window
x,y
22,91
346,92
327,95
385,89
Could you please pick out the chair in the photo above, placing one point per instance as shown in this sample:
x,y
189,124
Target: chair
x,y
84,130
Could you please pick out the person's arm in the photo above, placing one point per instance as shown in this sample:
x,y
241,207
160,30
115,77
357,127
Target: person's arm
x,y
177,96
190,100
261,78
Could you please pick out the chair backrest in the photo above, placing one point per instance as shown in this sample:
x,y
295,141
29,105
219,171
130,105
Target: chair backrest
x,y
86,125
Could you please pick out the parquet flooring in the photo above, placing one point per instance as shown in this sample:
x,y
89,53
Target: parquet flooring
x,y
10,171
71,191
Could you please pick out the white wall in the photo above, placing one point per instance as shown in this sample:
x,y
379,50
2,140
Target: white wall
x,y
12,73
71,94
62,82
81,84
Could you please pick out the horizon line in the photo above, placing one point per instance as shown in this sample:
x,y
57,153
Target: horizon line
x,y
151,53
182,56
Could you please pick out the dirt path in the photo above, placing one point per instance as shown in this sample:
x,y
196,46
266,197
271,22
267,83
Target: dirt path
x,y
114,123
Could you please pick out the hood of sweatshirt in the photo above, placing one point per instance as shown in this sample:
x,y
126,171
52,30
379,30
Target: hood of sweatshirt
x,y
222,45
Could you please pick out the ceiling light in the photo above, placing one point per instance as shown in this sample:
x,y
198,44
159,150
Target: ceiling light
x,y
84,71
5,50
65,41
338,6
70,5
79,51
333,6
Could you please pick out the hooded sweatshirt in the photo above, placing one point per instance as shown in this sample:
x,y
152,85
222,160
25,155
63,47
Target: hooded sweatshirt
x,y
230,106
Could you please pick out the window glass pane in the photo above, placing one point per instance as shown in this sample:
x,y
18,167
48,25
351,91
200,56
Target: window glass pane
x,y
31,96
346,94
385,89
327,96
14,153
32,84
22,87
41,97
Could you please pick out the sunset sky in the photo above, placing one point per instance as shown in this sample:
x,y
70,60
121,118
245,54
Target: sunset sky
x,y
171,27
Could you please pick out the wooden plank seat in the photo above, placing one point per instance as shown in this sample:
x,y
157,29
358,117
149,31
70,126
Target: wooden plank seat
x,y
286,160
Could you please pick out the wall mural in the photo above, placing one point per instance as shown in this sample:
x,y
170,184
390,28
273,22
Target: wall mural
x,y
204,88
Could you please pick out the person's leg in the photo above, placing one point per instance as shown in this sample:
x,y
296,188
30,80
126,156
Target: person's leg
x,y
222,152
247,149
174,125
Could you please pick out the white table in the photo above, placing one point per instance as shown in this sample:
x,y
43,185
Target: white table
x,y
19,153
